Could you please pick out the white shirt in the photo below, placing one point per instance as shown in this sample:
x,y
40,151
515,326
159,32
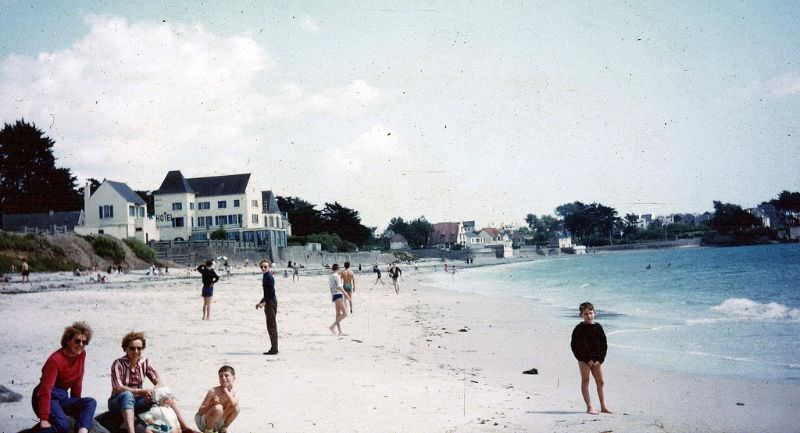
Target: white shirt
x,y
335,283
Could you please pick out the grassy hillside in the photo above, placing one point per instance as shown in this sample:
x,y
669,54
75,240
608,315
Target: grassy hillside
x,y
67,251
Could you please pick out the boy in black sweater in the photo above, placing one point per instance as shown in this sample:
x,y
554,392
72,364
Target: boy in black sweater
x,y
589,347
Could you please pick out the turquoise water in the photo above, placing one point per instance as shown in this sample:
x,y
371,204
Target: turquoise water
x,y
715,311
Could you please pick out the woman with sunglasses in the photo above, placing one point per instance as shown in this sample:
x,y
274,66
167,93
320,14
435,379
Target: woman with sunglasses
x,y
127,379
59,391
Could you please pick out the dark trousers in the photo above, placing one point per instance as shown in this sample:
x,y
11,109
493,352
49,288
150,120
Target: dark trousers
x,y
61,405
271,310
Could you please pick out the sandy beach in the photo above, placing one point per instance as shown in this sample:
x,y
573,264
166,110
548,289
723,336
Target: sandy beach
x,y
428,360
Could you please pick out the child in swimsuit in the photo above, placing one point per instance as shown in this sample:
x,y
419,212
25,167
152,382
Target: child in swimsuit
x,y
349,283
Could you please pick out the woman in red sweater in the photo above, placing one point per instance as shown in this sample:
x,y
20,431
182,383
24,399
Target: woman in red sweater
x,y
63,372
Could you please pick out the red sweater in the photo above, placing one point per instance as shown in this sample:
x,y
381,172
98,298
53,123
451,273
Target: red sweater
x,y
63,372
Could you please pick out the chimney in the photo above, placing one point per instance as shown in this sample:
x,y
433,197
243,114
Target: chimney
x,y
87,192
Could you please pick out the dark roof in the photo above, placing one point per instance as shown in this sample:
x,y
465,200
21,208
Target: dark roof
x,y
174,183
269,202
16,222
126,192
220,185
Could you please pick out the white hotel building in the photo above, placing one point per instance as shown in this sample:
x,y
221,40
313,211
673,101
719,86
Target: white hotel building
x,y
192,208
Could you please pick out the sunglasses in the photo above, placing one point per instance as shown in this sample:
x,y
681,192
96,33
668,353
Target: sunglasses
x,y
135,348
264,267
81,341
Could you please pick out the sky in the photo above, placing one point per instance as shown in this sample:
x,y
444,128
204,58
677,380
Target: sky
x,y
451,110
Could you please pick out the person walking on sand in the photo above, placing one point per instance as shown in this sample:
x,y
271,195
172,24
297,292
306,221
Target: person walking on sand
x,y
221,405
209,278
337,296
269,302
349,283
377,270
26,271
589,347
395,273
295,272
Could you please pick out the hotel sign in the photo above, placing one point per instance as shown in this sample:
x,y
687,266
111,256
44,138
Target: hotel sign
x,y
165,219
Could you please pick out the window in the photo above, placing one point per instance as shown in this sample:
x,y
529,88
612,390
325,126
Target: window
x,y
141,212
191,205
204,205
106,211
236,203
177,206
222,204
132,211
177,222
201,221
208,221
221,220
254,203
232,219
254,218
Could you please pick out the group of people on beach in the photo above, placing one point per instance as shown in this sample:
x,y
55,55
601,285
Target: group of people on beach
x,y
59,392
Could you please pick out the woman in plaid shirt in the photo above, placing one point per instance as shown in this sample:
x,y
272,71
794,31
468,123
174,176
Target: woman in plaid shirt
x,y
127,379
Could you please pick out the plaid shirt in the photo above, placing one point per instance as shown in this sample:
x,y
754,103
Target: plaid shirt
x,y
123,375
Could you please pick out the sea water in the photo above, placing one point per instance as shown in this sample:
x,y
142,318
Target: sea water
x,y
731,312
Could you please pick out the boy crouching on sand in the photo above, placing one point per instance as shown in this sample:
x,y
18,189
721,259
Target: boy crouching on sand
x,y
221,405
589,347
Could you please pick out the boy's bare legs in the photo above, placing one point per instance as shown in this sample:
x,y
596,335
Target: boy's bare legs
x,y
341,313
212,415
585,368
206,308
229,414
597,372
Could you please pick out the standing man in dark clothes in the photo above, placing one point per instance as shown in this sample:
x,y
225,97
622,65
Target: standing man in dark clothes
x,y
270,305
209,278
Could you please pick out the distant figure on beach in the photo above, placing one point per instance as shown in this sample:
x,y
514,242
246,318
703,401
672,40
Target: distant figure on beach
x,y
26,271
337,296
269,302
445,267
349,283
209,278
589,347
359,268
395,273
648,266
295,272
127,378
227,268
59,390
377,270
221,405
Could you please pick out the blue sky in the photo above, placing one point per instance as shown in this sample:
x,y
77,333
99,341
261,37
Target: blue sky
x,y
455,111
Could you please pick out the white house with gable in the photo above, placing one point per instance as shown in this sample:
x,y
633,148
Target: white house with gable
x,y
116,210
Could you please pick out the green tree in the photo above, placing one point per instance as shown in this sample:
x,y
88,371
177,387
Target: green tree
x,y
591,223
731,218
345,222
29,179
219,234
418,232
304,217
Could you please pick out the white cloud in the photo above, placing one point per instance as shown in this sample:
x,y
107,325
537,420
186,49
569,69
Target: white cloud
x,y
342,101
130,101
309,25
788,84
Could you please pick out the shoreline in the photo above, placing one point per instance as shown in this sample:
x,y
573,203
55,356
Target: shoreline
x,y
403,365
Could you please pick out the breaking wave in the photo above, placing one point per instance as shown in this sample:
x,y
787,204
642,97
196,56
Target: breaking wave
x,y
747,309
